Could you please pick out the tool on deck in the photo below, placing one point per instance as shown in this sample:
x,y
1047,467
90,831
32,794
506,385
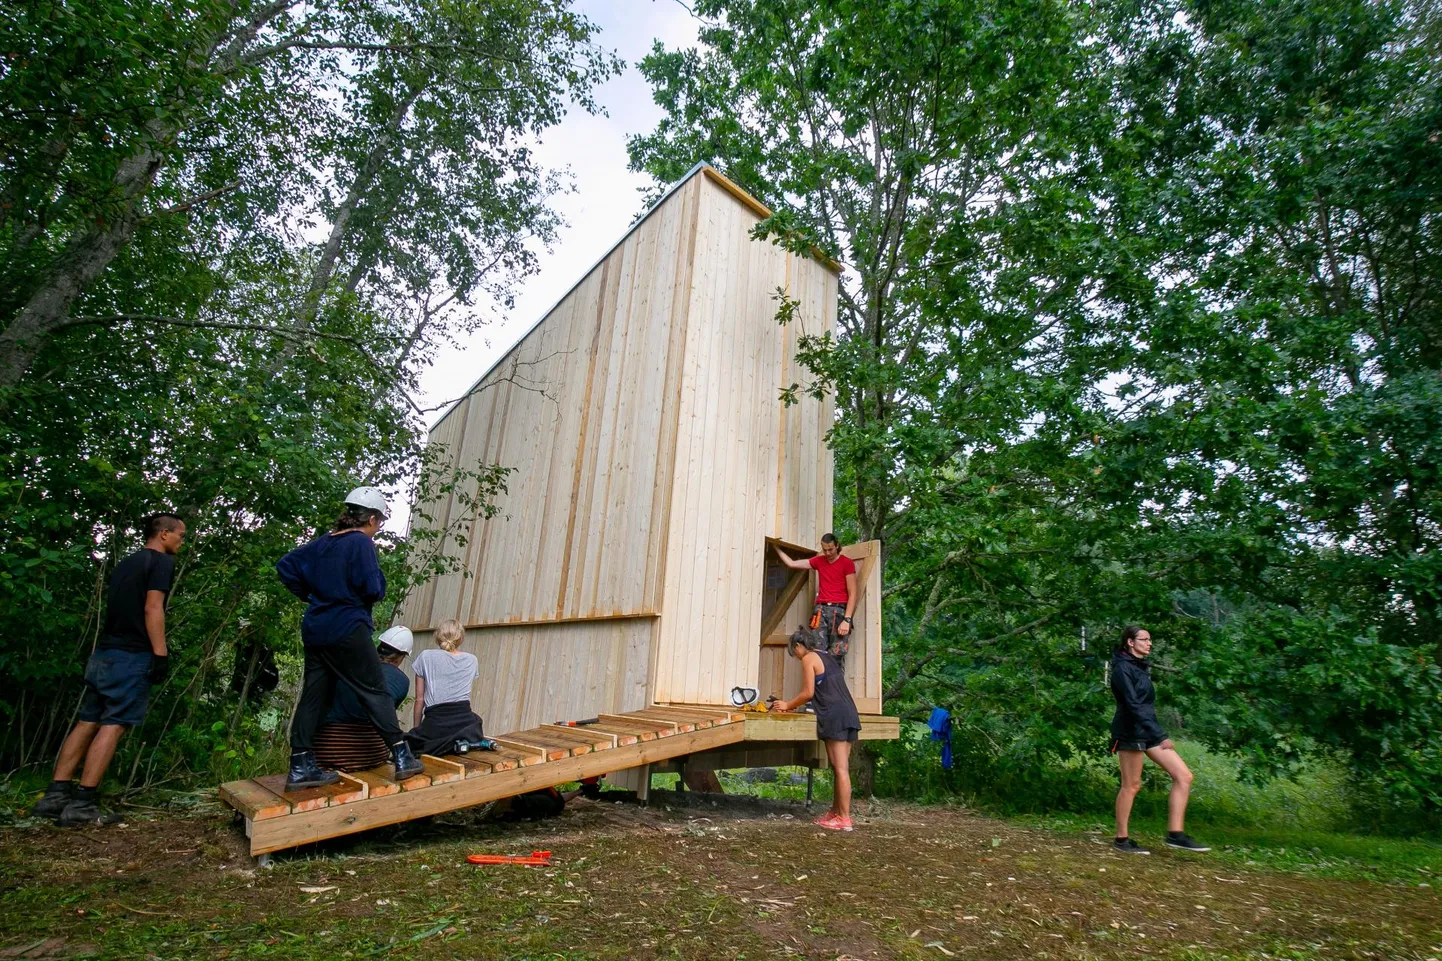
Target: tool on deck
x,y
534,859
589,720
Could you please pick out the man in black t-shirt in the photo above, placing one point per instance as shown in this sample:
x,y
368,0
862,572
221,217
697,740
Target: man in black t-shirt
x,y
130,656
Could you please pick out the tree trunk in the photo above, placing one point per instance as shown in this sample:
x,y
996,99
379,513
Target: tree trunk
x,y
83,261
360,186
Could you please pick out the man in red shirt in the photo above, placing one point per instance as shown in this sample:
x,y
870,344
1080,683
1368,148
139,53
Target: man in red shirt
x,y
835,593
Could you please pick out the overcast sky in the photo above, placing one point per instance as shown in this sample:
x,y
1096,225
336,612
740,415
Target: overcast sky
x,y
606,198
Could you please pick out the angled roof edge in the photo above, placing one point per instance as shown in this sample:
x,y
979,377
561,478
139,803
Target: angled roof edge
x,y
712,174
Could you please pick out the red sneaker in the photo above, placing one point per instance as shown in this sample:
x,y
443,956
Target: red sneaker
x,y
825,819
836,824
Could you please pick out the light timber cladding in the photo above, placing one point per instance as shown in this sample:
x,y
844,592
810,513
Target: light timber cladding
x,y
651,457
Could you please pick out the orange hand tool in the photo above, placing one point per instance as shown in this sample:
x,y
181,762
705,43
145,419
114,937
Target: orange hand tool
x,y
536,858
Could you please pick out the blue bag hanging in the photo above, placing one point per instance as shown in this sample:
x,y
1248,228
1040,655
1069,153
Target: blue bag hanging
x,y
940,724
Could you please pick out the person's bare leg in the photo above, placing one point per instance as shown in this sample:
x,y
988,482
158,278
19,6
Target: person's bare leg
x,y
72,752
840,754
1171,762
1131,765
102,749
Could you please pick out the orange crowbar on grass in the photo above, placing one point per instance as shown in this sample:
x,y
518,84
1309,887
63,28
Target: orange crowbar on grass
x,y
536,858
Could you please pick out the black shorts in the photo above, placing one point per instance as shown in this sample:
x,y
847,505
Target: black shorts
x,y
1146,745
117,687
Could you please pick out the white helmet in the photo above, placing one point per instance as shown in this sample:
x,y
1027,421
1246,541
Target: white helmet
x,y
369,497
400,639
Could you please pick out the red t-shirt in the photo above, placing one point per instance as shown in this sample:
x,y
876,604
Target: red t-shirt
x,y
831,578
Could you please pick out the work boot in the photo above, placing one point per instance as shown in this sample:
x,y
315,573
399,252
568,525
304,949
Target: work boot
x,y
83,811
405,760
305,772
57,798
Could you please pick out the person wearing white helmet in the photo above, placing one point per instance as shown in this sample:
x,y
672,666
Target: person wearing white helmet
x,y
347,741
339,575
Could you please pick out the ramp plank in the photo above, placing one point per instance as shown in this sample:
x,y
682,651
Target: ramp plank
x,y
378,780
695,717
344,791
440,770
472,765
552,742
682,727
653,726
623,735
525,754
734,714
595,740
253,800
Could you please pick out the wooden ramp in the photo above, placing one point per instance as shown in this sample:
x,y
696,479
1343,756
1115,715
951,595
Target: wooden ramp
x,y
276,819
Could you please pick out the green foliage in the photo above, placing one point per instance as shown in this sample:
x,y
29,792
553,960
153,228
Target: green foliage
x,y
1140,324
232,237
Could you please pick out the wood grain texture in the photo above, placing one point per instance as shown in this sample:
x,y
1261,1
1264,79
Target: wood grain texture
x,y
651,458
345,790
254,801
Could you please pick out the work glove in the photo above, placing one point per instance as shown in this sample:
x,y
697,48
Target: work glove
x,y
159,668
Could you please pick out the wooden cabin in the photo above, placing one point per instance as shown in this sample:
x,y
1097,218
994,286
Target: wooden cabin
x,y
653,464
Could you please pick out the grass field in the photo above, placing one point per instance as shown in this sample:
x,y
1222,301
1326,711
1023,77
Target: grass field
x,y
697,876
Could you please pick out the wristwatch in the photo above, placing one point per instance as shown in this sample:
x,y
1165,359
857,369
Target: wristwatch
x,y
848,620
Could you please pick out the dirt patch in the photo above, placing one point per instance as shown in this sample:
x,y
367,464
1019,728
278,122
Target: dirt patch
x,y
689,879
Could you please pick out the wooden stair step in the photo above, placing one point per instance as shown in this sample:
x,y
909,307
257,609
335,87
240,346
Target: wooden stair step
x,y
540,737
698,718
648,728
623,736
255,801
474,764
378,780
442,770
682,726
526,754
313,798
734,714
598,740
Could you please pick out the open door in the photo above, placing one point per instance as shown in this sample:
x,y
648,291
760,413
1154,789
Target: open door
x,y
787,600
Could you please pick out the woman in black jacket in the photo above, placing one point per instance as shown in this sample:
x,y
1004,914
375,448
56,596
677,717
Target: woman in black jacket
x,y
1136,736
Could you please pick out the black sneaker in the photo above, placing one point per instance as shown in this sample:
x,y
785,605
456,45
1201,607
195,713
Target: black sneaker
x,y
1128,846
53,804
84,812
1178,839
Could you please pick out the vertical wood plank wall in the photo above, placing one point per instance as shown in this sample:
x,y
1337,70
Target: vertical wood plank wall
x,y
747,467
579,410
652,456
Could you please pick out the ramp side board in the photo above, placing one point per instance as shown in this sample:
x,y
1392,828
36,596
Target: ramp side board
x,y
527,760
295,829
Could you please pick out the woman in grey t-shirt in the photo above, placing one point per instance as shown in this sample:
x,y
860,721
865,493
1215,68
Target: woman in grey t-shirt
x,y
444,677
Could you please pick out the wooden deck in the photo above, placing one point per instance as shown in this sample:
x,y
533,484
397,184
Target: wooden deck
x,y
276,819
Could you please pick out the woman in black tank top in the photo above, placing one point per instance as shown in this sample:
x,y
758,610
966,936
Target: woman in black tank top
x,y
837,723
